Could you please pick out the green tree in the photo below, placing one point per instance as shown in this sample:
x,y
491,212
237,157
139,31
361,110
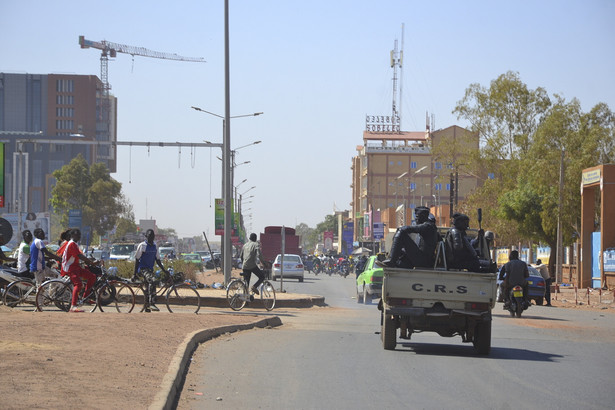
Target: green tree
x,y
90,189
524,137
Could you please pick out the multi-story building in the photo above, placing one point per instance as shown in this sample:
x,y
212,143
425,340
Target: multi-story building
x,y
394,172
35,111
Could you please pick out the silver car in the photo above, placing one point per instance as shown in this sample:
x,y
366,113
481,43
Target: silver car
x,y
293,267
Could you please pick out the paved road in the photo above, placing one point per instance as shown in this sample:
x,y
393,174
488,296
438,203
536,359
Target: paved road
x,y
333,358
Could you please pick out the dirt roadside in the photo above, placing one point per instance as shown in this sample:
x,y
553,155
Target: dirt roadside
x,y
102,361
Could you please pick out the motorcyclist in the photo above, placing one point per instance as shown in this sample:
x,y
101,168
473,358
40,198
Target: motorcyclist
x,y
514,273
405,253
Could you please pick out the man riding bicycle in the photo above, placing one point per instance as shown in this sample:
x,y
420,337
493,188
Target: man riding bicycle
x,y
250,254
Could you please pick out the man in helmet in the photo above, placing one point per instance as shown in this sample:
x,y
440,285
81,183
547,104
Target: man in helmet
x,y
514,273
463,253
405,253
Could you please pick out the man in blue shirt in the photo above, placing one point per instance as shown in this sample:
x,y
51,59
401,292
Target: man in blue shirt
x,y
38,251
147,253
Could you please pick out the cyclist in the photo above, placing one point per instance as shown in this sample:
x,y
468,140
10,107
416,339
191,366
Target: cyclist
x,y
70,266
250,253
38,251
147,253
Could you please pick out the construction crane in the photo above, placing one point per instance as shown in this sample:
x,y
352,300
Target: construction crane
x,y
110,49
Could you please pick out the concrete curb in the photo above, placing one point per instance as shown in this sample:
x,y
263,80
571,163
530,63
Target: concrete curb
x,y
172,382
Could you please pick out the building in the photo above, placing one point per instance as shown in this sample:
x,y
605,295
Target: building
x,y
394,172
35,111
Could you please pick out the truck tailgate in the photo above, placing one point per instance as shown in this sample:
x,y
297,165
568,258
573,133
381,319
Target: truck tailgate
x,y
429,286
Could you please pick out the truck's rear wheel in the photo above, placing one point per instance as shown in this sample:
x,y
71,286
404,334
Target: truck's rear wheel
x,y
389,336
482,337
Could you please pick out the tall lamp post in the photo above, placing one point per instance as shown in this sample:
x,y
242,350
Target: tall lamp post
x,y
226,158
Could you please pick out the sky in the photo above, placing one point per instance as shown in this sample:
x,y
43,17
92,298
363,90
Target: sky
x,y
315,69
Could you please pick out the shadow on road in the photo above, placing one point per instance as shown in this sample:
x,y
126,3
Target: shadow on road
x,y
467,350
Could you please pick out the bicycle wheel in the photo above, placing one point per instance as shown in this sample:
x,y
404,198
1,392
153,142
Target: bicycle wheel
x,y
54,295
19,293
124,299
183,297
237,294
268,295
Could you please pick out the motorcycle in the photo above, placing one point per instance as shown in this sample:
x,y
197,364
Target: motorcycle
x,y
517,303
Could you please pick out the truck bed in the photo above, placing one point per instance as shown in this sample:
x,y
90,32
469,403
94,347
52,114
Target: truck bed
x,y
426,287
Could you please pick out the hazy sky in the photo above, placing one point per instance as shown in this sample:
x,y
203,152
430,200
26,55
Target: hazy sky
x,y
315,68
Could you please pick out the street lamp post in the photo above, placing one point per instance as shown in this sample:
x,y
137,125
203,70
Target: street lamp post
x,y
226,155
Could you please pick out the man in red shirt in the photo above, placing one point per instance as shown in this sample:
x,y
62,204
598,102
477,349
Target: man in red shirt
x,y
70,266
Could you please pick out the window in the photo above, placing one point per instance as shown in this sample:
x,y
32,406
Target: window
x,y
438,165
413,164
413,185
491,175
438,187
448,187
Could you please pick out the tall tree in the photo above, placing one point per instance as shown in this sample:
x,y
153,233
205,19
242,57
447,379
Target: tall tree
x,y
89,189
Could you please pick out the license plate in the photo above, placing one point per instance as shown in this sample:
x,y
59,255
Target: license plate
x,y
518,293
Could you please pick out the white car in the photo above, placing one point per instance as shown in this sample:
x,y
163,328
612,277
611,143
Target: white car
x,y
293,267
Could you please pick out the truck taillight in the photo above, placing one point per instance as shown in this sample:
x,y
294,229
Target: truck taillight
x,y
399,302
541,283
299,266
477,306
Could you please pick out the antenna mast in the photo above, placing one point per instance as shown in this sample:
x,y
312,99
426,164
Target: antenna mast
x,y
397,61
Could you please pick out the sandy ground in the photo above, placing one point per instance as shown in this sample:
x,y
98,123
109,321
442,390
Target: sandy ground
x,y
103,360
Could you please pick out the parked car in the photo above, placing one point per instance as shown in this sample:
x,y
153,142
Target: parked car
x,y
205,255
536,287
293,267
369,282
193,258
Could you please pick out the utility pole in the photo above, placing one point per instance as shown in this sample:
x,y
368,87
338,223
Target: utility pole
x,y
560,249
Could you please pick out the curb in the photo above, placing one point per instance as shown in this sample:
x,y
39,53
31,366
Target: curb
x,y
172,382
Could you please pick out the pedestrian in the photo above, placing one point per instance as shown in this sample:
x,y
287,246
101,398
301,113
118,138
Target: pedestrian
x,y
544,272
38,252
147,253
71,267
250,255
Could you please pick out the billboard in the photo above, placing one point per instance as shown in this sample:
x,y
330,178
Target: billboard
x,y
1,174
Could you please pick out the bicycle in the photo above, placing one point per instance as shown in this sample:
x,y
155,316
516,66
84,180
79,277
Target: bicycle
x,y
21,290
177,293
56,294
238,296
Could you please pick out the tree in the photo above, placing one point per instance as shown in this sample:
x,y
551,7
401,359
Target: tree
x,y
524,136
89,189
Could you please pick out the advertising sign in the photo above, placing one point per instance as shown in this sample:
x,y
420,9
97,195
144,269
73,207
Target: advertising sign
x,y
347,236
378,230
219,218
1,174
327,237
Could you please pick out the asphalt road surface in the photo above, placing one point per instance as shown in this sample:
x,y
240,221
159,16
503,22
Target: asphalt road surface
x,y
332,358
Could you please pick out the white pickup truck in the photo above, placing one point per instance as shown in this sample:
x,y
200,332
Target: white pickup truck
x,y
448,302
